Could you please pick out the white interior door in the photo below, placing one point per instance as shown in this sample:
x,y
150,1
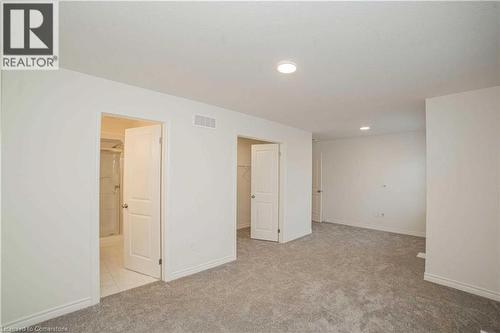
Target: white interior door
x,y
141,207
317,192
265,192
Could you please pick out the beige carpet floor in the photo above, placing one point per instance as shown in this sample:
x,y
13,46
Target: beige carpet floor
x,y
339,279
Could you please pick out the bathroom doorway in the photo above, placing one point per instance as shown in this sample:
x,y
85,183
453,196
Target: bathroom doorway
x,y
129,203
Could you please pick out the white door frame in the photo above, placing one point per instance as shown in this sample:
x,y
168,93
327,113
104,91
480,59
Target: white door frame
x,y
95,287
281,185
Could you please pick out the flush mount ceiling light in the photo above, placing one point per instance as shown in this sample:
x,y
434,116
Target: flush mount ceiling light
x,y
286,67
365,128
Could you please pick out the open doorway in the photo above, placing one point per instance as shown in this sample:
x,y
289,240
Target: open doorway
x,y
129,203
258,185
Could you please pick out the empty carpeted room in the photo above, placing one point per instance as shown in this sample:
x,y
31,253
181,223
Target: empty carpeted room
x,y
267,166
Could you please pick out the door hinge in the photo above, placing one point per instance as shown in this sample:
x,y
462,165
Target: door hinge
x,y
279,231
159,262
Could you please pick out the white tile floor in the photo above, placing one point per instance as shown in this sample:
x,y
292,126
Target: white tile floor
x,y
114,276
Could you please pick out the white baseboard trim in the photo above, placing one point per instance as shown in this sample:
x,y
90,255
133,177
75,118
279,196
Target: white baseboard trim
x,y
110,240
48,314
196,269
380,228
243,226
462,286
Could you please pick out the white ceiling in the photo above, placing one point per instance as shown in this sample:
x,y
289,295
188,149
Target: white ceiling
x,y
358,63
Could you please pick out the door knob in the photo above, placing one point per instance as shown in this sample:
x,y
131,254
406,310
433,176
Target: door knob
x,y
319,191
124,205
253,196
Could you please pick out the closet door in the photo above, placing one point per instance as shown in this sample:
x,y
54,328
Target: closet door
x,y
317,192
265,192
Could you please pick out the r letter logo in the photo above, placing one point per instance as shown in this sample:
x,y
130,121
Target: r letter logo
x,y
30,35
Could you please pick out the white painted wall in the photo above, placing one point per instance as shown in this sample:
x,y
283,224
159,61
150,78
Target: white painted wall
x,y
364,177
244,180
463,183
50,148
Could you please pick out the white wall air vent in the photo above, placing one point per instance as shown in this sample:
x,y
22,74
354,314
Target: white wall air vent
x,y
203,121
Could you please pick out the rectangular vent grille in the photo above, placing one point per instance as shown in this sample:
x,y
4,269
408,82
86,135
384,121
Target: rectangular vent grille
x,y
203,121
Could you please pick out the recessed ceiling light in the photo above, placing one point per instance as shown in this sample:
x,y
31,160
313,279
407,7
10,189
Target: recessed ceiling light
x,y
286,67
365,128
